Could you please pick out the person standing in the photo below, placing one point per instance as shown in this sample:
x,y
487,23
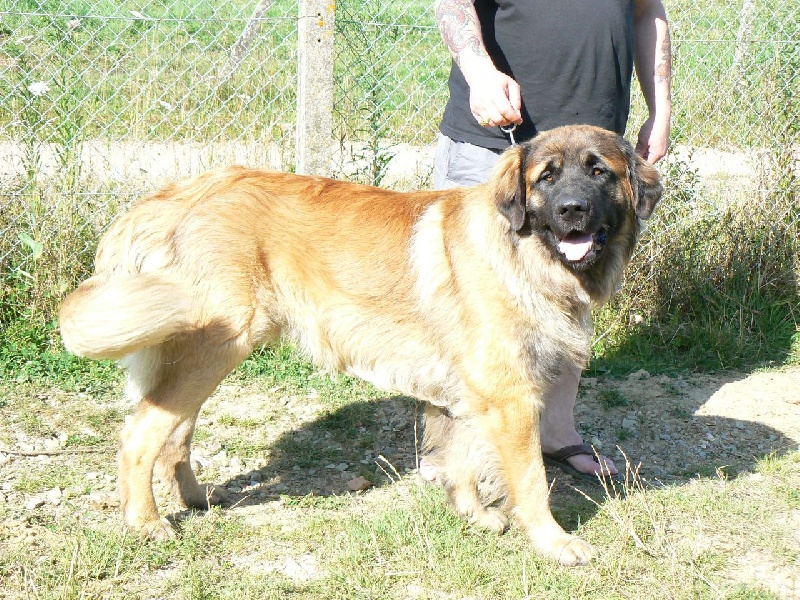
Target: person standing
x,y
533,65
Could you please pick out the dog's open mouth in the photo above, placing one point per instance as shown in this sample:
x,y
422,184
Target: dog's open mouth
x,y
579,246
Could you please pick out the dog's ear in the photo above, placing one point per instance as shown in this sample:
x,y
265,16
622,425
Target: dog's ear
x,y
645,181
510,187
648,188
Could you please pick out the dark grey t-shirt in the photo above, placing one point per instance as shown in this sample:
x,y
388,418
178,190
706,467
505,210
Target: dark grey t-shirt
x,y
573,60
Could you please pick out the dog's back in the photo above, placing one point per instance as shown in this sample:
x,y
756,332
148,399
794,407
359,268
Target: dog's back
x,y
250,255
143,291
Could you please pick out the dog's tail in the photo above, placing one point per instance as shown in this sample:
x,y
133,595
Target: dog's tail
x,y
112,318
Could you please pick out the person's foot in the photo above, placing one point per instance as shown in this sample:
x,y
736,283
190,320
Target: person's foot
x,y
587,464
427,470
592,464
580,460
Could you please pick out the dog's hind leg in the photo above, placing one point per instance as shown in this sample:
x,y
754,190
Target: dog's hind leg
x,y
142,439
462,494
174,469
172,381
455,453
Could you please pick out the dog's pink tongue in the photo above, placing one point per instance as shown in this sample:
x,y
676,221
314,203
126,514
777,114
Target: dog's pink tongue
x,y
575,246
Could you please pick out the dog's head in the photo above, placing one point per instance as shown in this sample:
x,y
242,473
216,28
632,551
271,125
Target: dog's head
x,y
579,189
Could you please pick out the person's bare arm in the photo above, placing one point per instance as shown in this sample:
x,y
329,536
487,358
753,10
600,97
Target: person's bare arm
x,y
652,56
495,98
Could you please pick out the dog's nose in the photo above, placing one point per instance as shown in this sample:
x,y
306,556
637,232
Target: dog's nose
x,y
571,207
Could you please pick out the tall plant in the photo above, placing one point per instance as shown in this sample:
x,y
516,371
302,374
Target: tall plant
x,y
50,135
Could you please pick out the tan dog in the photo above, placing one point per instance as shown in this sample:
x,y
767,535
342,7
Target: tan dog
x,y
469,299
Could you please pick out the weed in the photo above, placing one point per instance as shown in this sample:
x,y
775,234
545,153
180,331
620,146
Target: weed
x,y
244,423
750,592
699,469
31,353
680,413
201,434
776,464
245,447
317,502
716,286
38,480
34,425
625,434
360,41
83,440
305,454
279,364
611,398
687,540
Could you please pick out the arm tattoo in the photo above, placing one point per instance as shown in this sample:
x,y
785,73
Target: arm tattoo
x,y
663,68
459,28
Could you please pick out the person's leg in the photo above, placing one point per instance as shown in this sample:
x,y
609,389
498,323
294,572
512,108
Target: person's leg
x,y
462,164
557,425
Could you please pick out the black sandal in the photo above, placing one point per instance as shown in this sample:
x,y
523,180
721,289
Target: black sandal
x,y
559,459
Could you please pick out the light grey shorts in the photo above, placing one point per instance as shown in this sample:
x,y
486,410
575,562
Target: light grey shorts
x,y
460,163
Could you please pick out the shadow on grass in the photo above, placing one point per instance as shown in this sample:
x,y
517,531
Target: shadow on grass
x,y
312,465
374,439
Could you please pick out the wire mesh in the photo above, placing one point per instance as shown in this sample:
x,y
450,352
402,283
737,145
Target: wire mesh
x,y
100,101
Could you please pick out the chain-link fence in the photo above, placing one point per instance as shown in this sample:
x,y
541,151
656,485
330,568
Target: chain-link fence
x,y
100,101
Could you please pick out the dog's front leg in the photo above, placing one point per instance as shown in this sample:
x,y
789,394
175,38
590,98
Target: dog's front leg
x,y
512,426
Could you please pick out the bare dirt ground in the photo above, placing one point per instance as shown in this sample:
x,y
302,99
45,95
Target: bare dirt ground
x,y
265,446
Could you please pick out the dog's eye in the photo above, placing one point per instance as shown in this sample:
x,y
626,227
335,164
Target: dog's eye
x,y
598,171
546,176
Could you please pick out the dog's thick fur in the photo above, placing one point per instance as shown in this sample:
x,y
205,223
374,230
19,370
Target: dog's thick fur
x,y
462,298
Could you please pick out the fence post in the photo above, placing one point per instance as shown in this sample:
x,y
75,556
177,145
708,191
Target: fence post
x,y
743,43
315,86
242,45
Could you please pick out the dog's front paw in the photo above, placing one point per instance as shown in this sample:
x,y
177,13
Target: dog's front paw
x,y
567,549
575,552
158,530
491,518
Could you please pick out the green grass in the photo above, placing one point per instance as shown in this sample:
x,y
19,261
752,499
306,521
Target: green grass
x,y
243,423
285,368
39,480
701,537
35,353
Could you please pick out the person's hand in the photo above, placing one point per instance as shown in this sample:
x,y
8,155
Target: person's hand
x,y
494,98
653,140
